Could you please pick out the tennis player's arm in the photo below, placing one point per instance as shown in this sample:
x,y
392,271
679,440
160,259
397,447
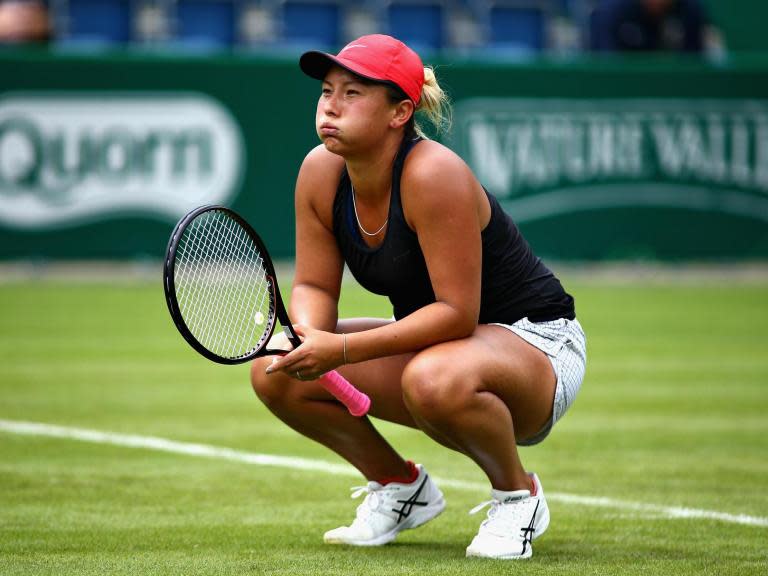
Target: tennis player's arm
x,y
319,265
445,205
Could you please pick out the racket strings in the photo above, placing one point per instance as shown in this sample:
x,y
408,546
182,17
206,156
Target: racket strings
x,y
222,287
247,260
197,296
204,306
197,308
218,315
235,243
231,265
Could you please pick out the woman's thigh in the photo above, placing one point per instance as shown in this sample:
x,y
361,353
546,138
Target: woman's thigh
x,y
497,361
492,360
380,378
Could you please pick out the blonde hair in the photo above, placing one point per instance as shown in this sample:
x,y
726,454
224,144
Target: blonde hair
x,y
433,104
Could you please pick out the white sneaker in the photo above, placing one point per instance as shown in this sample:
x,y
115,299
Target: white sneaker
x,y
514,521
388,510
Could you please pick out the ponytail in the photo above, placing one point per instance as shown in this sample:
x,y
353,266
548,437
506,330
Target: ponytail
x,y
434,105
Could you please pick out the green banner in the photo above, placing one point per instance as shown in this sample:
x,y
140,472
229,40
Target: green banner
x,y
603,159
642,178
99,156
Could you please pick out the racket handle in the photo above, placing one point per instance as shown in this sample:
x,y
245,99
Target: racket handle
x,y
356,402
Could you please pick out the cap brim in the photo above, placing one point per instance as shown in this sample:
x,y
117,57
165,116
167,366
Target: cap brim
x,y
316,65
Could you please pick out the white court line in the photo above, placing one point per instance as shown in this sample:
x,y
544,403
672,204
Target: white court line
x,y
208,451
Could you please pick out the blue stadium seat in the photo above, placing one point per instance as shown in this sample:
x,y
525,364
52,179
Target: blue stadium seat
x,y
206,23
517,28
567,7
419,24
97,22
316,24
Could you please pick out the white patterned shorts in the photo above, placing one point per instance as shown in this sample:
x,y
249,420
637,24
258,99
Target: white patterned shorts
x,y
565,345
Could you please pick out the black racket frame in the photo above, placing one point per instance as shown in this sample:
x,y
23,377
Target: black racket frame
x,y
277,309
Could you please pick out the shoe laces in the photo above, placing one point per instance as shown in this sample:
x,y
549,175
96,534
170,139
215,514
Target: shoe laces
x,y
504,518
371,502
358,491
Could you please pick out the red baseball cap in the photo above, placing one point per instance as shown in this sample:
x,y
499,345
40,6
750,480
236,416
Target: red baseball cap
x,y
375,57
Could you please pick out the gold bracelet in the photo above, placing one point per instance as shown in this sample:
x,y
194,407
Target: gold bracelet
x,y
344,337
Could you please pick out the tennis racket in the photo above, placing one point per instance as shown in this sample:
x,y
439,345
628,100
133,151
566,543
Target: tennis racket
x,y
221,289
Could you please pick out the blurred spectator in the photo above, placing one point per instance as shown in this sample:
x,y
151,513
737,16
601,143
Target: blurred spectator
x,y
648,25
24,21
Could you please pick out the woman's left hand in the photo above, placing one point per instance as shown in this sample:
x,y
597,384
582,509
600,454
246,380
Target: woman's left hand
x,y
320,352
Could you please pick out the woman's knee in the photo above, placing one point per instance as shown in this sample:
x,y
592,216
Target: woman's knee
x,y
434,387
271,389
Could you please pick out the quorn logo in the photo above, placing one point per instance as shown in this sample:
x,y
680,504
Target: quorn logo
x,y
71,157
544,157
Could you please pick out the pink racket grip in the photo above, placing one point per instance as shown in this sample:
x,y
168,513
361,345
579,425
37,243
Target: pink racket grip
x,y
356,402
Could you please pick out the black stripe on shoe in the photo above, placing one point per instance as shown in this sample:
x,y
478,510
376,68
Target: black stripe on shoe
x,y
528,532
407,505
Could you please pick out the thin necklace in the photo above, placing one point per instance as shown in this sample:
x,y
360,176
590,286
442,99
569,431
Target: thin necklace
x,y
363,230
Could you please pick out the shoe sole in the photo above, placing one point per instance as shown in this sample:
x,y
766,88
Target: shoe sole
x,y
528,554
413,521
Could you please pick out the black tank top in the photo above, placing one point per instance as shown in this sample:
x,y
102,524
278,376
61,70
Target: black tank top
x,y
515,283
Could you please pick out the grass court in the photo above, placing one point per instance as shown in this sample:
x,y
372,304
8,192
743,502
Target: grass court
x,y
660,467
